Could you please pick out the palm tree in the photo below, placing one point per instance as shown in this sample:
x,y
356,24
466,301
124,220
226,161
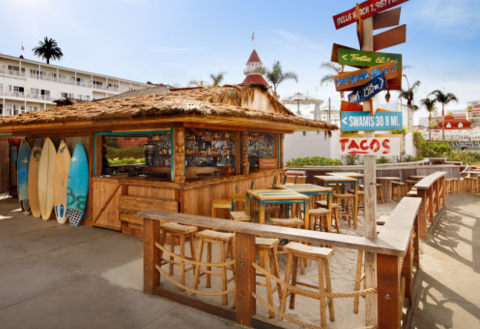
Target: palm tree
x,y
408,95
327,78
444,99
217,78
48,49
276,75
431,108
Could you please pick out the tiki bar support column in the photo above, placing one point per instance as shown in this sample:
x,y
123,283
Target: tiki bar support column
x,y
244,153
179,155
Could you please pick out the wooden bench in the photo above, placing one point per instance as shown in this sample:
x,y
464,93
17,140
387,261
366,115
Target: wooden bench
x,y
432,191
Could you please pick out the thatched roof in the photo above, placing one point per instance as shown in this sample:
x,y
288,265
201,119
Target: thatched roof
x,y
139,92
223,102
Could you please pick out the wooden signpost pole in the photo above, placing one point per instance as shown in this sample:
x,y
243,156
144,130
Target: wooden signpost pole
x,y
370,195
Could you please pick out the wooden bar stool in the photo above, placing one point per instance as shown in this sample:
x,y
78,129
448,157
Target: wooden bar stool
x,y
229,203
289,222
471,184
380,193
319,219
455,184
300,251
239,216
224,240
409,185
347,201
361,198
269,249
398,190
448,186
182,231
335,212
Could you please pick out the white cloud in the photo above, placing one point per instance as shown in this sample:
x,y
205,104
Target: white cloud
x,y
174,50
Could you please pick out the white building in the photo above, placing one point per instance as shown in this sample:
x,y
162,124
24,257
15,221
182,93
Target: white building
x,y
27,85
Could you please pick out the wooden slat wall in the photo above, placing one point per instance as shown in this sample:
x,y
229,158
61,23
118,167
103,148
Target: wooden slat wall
x,y
101,192
4,166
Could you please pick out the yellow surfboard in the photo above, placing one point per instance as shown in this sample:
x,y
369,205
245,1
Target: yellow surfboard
x,y
46,171
60,180
33,180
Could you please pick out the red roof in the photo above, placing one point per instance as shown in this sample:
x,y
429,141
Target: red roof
x,y
255,78
453,123
455,115
254,58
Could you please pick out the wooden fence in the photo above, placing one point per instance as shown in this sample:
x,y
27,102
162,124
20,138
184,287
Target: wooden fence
x,y
396,249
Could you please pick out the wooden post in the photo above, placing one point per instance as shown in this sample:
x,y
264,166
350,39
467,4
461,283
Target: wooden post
x,y
179,156
151,255
280,162
245,278
388,292
407,271
370,199
238,152
423,214
98,155
416,243
244,153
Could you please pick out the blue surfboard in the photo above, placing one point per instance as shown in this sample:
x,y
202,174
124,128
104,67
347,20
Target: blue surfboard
x,y
77,186
23,164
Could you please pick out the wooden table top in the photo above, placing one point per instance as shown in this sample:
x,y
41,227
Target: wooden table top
x,y
302,188
276,194
418,177
470,172
342,179
388,178
346,174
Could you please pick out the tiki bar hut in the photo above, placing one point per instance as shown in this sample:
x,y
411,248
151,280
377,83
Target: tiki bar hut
x,y
199,144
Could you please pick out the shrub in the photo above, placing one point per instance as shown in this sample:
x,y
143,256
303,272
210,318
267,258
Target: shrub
x,y
353,159
383,159
467,157
314,161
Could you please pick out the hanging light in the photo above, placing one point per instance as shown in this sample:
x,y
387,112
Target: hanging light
x,y
387,96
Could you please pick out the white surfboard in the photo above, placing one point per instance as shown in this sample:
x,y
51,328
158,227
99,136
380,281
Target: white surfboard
x,y
46,171
60,182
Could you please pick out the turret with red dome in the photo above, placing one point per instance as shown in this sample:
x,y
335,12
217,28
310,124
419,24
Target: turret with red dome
x,y
252,75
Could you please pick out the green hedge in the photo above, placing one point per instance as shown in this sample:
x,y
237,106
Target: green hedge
x,y
135,152
124,161
314,161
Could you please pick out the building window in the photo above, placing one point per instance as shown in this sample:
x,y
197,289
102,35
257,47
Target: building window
x,y
31,108
16,90
64,95
113,86
98,84
15,70
1,109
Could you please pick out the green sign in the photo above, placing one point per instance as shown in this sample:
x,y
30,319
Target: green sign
x,y
367,58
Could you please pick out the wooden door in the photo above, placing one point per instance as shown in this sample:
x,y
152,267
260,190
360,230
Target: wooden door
x,y
106,194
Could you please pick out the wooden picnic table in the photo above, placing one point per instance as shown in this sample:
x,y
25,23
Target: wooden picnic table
x,y
277,196
387,186
312,190
346,174
325,180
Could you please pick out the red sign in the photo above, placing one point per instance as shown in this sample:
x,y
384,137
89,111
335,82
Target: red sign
x,y
367,9
268,163
370,146
351,107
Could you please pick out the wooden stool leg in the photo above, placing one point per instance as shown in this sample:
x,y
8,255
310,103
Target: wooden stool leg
x,y
223,258
197,268
321,289
358,277
209,260
182,263
328,283
268,282
294,280
192,246
276,272
288,272
337,219
162,243
172,249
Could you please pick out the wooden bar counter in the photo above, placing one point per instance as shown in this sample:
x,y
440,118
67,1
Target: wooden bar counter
x,y
116,199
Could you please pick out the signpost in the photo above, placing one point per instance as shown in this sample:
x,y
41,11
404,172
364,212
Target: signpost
x,y
387,19
368,90
370,146
355,121
390,38
349,80
367,9
355,57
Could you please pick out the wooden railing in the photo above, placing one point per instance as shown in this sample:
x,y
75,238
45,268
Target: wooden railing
x,y
432,191
396,249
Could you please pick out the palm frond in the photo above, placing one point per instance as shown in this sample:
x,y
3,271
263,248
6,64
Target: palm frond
x,y
327,79
331,66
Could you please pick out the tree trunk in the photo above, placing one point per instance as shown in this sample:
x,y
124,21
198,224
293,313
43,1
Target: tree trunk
x,y
443,121
48,60
429,128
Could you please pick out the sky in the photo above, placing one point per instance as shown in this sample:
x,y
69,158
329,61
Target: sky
x,y
177,41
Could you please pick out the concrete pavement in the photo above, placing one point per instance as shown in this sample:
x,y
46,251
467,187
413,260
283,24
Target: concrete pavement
x,y
57,276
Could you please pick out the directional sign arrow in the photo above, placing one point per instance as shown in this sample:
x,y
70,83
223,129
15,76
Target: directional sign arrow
x,y
344,121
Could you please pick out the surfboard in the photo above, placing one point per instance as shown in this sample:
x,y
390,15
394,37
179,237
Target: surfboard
x,y
60,180
77,185
23,165
46,170
33,180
